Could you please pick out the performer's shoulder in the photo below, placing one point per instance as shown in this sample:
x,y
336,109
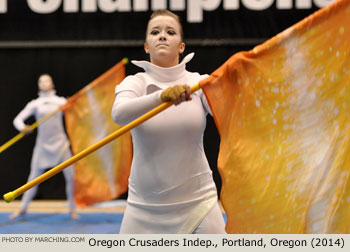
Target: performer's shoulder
x,y
136,82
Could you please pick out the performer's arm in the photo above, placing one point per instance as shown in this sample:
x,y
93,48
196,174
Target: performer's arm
x,y
128,106
18,122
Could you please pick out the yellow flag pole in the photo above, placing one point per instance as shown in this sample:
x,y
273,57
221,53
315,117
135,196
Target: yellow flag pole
x,y
21,134
8,197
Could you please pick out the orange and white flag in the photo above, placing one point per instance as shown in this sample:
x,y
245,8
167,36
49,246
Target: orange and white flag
x,y
102,175
283,114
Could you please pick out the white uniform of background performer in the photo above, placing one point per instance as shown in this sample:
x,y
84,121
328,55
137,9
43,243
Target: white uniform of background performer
x,y
52,145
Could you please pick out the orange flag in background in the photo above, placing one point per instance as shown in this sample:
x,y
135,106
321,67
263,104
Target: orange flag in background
x,y
283,114
102,175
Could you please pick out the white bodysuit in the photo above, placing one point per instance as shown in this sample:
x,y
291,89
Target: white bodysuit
x,y
171,189
51,146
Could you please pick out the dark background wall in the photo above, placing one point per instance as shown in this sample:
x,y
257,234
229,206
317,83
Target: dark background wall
x,y
76,47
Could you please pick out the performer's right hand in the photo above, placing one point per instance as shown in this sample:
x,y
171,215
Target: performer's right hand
x,y
177,94
27,130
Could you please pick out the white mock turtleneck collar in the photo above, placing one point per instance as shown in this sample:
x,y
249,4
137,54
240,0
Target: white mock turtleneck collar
x,y
165,74
47,93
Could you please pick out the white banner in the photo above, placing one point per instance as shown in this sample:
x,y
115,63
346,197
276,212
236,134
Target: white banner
x,y
194,8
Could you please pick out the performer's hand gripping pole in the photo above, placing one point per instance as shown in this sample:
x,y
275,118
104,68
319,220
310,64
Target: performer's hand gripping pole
x,y
21,134
8,197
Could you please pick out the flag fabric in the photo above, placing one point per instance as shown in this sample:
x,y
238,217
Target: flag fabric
x,y
283,114
102,175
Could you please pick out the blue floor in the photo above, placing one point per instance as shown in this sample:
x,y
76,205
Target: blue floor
x,y
61,223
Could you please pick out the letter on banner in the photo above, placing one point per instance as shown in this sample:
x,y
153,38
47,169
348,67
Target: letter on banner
x,y
284,4
195,9
140,5
3,6
231,4
71,5
177,5
322,3
257,4
114,5
158,4
89,5
303,4
43,7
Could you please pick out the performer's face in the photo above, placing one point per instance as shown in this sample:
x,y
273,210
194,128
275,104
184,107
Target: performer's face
x,y
45,83
163,41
